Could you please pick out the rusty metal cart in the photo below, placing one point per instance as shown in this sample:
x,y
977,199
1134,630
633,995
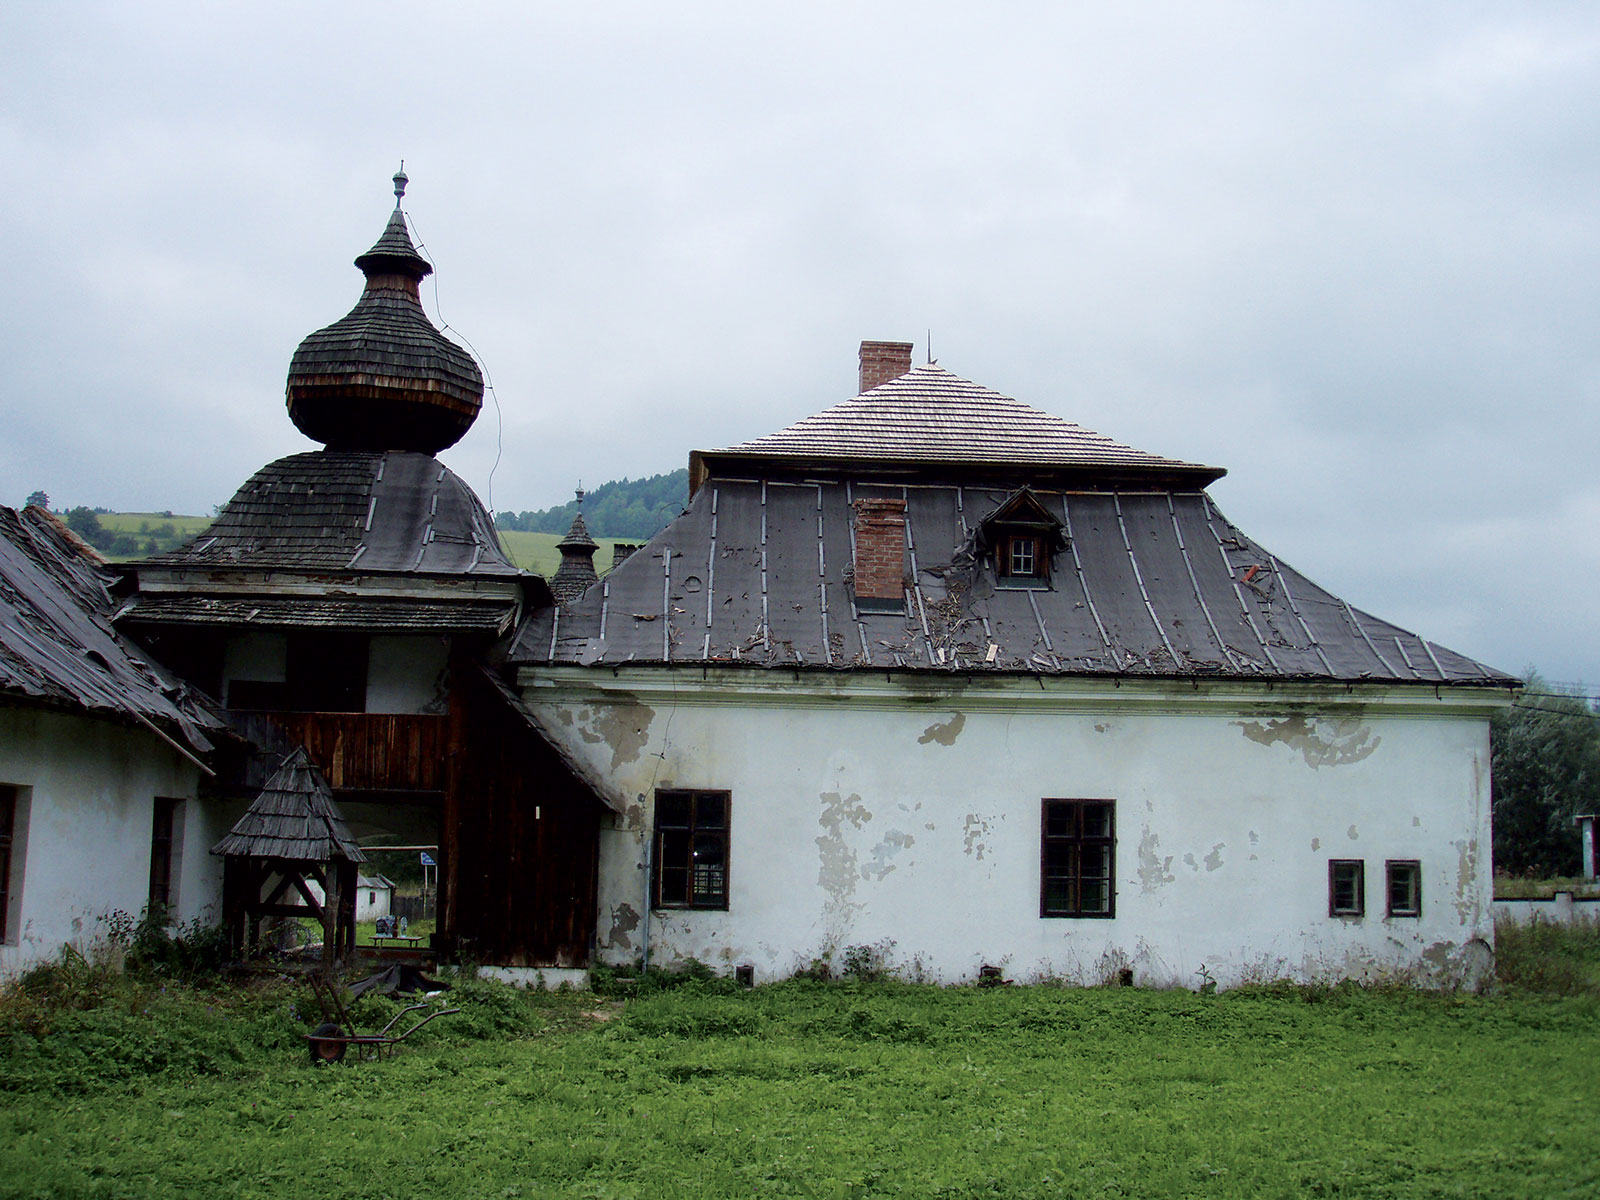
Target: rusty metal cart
x,y
329,1042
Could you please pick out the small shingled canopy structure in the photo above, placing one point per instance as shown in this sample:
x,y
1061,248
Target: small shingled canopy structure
x,y
291,833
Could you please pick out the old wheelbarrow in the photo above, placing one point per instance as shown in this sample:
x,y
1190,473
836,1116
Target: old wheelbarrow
x,y
330,1041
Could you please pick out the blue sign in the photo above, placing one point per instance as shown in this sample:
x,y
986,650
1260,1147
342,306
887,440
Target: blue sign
x,y
427,860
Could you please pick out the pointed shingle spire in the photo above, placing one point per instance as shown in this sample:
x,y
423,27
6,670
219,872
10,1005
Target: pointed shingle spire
x,y
576,571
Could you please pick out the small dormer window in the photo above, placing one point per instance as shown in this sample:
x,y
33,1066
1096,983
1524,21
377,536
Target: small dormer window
x,y
1020,557
1019,538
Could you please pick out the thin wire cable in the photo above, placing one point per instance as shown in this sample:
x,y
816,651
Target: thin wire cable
x,y
488,383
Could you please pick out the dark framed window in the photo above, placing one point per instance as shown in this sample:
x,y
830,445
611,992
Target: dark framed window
x,y
1021,558
691,849
1077,858
1404,887
1347,887
8,824
161,856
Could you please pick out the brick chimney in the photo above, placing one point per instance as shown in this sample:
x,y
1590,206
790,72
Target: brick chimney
x,y
883,361
880,549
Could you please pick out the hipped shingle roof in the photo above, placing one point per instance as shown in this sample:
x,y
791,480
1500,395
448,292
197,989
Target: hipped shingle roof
x,y
930,415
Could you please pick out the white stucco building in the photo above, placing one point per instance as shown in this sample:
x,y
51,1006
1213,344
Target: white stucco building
x,y
941,674
99,759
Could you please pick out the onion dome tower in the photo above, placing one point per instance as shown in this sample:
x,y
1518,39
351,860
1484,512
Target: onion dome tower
x,y
576,571
383,378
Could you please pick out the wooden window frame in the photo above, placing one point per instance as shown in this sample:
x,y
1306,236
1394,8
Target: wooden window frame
x,y
1075,843
699,890
1356,868
8,829
1393,870
163,827
1005,555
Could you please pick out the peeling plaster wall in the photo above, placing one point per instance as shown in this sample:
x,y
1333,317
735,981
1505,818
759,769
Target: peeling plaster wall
x,y
858,820
85,817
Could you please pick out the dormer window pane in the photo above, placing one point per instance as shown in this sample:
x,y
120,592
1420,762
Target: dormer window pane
x,y
1024,556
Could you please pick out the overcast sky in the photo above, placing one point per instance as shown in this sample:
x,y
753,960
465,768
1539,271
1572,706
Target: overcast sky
x,y
1348,251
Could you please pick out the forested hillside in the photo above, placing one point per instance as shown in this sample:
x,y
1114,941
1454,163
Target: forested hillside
x,y
631,509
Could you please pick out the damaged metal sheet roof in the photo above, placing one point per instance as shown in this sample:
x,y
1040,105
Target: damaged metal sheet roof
x,y
1153,583
57,645
360,511
931,415
293,818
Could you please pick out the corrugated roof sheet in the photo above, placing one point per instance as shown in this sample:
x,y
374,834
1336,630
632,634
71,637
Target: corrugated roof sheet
x,y
1149,583
293,818
366,512
57,645
931,415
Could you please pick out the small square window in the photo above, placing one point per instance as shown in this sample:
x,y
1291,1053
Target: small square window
x,y
1404,887
1347,887
1019,558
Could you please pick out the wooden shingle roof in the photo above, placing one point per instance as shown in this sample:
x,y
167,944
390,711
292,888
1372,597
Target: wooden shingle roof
x,y
57,644
931,416
294,819
356,510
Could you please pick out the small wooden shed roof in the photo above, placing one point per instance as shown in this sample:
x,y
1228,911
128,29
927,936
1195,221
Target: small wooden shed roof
x,y
293,819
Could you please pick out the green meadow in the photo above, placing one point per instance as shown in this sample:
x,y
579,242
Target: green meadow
x,y
847,1088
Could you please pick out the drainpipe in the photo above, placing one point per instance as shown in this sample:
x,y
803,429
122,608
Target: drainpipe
x,y
649,847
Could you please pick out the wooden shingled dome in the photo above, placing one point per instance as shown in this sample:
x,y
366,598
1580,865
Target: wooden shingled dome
x,y
382,377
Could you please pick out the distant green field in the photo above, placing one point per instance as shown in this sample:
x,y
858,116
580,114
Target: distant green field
x,y
537,551
532,551
137,523
151,533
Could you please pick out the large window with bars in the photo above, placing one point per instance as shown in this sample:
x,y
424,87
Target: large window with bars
x,y
691,848
1077,862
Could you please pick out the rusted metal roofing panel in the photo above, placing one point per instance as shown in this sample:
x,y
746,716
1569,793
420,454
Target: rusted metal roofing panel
x,y
57,645
1149,583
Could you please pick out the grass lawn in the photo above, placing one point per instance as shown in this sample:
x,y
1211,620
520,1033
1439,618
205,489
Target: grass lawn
x,y
826,1090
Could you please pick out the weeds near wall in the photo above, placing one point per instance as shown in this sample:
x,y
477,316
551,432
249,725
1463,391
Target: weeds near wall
x,y
1548,958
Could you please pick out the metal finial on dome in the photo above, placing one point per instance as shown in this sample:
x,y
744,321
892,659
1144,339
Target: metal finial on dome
x,y
400,182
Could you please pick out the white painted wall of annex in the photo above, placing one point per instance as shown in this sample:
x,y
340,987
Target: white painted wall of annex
x,y
916,819
85,822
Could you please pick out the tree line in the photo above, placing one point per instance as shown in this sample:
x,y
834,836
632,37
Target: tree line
x,y
635,509
1546,771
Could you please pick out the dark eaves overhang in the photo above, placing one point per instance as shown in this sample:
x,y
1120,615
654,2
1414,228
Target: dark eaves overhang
x,y
1098,477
